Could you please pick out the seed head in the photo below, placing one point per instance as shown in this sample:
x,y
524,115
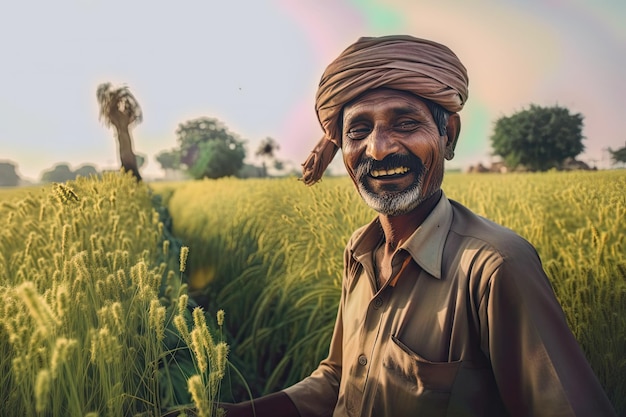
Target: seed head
x,y
42,390
183,330
198,395
156,319
184,252
182,303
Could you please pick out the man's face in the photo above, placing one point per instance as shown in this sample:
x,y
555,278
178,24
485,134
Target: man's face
x,y
392,150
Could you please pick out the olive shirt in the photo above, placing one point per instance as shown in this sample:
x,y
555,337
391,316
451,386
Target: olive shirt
x,y
468,325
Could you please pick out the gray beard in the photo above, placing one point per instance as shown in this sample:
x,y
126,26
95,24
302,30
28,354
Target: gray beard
x,y
393,203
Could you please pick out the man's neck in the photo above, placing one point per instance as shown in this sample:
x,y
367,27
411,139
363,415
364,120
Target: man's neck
x,y
397,229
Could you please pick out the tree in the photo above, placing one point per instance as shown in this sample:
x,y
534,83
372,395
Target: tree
x,y
266,150
120,109
60,173
141,160
618,155
86,171
8,174
169,160
538,138
208,149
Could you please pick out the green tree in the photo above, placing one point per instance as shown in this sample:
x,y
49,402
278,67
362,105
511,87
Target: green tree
x,y
266,150
538,138
86,171
120,109
8,174
59,173
618,155
208,149
141,160
169,160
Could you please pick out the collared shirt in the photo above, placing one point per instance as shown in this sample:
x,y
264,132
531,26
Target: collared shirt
x,y
468,325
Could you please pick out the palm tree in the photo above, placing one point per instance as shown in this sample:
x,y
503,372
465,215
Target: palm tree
x,y
120,109
266,150
618,155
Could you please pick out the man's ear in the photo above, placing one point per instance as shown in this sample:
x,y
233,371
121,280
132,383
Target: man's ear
x,y
453,129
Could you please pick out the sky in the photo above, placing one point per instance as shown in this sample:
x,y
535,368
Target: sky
x,y
255,65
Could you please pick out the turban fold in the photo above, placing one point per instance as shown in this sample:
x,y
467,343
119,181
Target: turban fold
x,y
400,62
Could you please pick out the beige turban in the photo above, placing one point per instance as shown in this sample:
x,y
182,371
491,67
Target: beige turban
x,y
422,67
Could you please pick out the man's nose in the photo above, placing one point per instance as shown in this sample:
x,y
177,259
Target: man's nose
x,y
381,143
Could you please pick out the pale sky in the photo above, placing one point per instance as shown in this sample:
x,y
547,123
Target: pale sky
x,y
255,66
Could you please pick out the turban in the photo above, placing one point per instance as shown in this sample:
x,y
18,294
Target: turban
x,y
400,62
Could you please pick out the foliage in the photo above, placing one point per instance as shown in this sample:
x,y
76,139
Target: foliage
x,y
118,105
251,171
256,246
271,253
141,160
120,109
8,174
94,319
267,151
63,173
618,155
168,159
538,138
60,173
86,171
208,149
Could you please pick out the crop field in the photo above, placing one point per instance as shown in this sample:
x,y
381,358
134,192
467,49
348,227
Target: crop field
x,y
269,252
99,312
94,318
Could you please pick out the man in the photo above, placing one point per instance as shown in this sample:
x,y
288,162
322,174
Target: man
x,y
442,312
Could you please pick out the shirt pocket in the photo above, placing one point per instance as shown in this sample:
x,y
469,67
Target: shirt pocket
x,y
410,384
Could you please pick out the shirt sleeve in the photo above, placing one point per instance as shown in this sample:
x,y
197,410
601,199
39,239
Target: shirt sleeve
x,y
539,368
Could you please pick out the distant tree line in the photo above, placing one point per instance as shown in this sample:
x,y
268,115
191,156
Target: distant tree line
x,y
208,149
62,173
8,174
534,139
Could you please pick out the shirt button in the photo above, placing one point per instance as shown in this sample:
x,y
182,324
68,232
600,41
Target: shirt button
x,y
378,303
362,360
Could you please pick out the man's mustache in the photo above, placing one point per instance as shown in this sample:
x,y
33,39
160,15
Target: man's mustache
x,y
367,164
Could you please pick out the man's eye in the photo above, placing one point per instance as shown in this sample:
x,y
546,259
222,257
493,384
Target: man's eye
x,y
357,133
407,125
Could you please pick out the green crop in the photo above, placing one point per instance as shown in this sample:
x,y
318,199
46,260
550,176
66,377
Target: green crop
x,y
94,318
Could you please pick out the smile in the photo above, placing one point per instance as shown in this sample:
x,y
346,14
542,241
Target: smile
x,y
385,173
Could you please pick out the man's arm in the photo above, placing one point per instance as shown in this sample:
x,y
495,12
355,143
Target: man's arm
x,y
538,365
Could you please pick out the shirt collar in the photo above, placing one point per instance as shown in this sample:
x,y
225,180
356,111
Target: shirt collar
x,y
425,245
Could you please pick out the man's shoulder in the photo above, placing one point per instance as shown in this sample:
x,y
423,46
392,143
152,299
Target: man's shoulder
x,y
471,227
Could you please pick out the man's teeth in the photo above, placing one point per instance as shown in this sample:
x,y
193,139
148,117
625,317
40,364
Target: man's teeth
x,y
383,172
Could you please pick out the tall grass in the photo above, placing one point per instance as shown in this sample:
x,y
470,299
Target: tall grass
x,y
94,318
271,252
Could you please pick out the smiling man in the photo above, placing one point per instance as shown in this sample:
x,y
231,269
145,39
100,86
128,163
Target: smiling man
x,y
442,312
